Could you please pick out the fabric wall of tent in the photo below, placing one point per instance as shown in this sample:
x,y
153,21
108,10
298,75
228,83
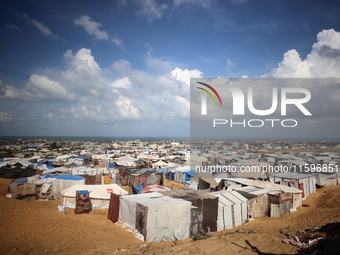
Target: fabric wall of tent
x,y
265,187
163,219
202,202
258,205
327,179
127,208
180,174
20,188
191,185
302,181
51,186
99,195
156,217
232,209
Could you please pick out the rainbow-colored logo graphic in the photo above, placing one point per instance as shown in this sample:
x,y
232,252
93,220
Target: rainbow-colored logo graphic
x,y
204,99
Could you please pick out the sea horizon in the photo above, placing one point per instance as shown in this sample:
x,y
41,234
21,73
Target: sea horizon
x,y
158,138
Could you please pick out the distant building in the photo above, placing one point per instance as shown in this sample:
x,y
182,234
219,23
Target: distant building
x,y
134,144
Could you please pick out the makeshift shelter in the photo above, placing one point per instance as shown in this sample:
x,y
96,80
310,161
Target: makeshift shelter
x,y
163,219
280,197
180,174
302,181
99,195
127,208
258,205
135,178
280,204
202,202
327,179
232,209
191,185
51,186
156,217
20,188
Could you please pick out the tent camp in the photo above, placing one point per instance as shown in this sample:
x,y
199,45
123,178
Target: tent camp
x,y
232,209
99,195
156,217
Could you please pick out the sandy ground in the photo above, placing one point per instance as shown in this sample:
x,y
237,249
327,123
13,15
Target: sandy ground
x,y
30,226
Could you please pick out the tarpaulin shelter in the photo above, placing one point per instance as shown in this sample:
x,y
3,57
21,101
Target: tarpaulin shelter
x,y
51,186
145,177
232,209
202,202
163,219
302,181
327,179
181,174
127,209
99,195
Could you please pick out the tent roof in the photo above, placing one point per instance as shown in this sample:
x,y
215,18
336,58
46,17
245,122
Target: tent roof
x,y
160,163
96,191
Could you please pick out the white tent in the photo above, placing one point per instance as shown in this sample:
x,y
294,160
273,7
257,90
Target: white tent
x,y
328,179
156,217
127,207
232,209
179,173
163,219
159,163
99,195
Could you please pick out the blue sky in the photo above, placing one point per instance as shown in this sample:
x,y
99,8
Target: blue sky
x,y
122,68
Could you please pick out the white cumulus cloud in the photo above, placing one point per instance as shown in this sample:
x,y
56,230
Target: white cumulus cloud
x,y
322,62
184,75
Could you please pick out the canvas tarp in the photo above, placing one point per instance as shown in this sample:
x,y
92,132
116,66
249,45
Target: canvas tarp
x,y
99,195
127,207
55,186
180,173
163,219
305,182
328,179
232,209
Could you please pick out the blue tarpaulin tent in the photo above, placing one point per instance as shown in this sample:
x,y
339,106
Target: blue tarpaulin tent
x,y
64,177
189,174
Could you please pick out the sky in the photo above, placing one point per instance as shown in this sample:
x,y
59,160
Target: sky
x,y
123,68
